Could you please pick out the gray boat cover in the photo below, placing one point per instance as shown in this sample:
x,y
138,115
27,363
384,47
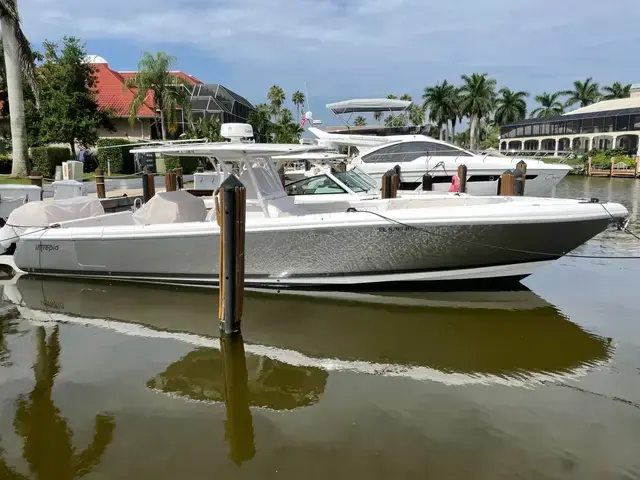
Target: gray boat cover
x,y
44,213
171,207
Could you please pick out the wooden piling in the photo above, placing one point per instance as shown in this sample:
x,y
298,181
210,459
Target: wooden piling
x,y
100,190
462,175
427,183
518,182
179,178
505,184
522,166
389,184
589,167
239,423
283,179
611,167
36,179
174,180
231,211
168,182
637,170
148,186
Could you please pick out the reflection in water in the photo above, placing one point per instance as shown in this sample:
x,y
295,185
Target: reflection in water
x,y
8,326
449,338
47,438
240,381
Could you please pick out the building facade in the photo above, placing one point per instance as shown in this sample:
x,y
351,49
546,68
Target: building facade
x,y
603,125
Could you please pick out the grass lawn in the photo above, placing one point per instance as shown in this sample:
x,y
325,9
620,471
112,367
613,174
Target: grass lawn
x,y
5,179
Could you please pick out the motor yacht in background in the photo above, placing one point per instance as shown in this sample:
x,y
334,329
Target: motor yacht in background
x,y
418,154
357,241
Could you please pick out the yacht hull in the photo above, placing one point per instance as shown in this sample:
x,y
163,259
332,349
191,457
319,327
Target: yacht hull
x,y
335,255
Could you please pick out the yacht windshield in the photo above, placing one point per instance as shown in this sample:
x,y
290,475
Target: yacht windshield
x,y
354,181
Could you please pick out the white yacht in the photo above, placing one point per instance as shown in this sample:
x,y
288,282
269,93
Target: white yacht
x,y
358,240
419,154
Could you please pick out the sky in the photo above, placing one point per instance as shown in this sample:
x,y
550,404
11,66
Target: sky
x,y
346,49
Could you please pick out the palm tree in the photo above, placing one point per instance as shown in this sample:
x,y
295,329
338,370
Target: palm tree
x,y
477,100
617,90
260,120
390,119
550,105
416,115
168,90
298,100
277,97
391,96
360,121
511,106
439,101
406,97
18,61
584,93
378,117
286,130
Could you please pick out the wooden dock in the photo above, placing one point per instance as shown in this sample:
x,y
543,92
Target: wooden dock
x,y
616,170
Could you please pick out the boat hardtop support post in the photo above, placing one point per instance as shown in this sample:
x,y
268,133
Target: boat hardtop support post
x,y
230,214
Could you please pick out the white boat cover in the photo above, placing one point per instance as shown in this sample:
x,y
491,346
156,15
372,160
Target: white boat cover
x,y
171,207
44,213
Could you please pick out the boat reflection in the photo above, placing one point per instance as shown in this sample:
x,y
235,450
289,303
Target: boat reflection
x,y
48,447
504,337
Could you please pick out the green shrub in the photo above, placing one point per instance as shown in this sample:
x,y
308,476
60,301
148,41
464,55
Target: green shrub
x,y
46,159
188,164
5,164
117,155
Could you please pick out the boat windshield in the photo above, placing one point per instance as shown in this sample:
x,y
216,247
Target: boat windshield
x,y
356,180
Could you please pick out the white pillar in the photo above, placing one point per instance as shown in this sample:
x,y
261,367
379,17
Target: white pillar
x,y
557,144
540,144
614,139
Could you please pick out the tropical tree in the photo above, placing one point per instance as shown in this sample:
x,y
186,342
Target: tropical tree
x,y
360,121
277,97
416,115
260,120
390,119
583,93
550,105
298,100
207,128
286,130
406,97
169,92
378,117
510,106
440,101
69,110
18,61
477,101
616,90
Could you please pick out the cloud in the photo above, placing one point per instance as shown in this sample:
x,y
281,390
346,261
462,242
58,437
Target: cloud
x,y
366,47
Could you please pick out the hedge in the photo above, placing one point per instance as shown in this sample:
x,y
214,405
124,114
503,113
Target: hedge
x,y
121,159
46,159
188,164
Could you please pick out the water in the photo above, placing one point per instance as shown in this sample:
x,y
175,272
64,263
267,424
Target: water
x,y
120,381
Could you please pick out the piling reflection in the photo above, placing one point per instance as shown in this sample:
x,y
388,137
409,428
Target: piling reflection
x,y
46,436
8,326
508,335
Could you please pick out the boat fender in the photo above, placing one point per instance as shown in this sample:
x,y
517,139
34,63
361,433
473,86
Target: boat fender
x,y
455,184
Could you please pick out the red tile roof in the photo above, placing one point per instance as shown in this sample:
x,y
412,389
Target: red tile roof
x,y
111,93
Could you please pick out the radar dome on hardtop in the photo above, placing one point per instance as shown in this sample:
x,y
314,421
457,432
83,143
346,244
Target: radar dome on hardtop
x,y
95,59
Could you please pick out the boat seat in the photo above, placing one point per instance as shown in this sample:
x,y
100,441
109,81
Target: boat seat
x,y
171,207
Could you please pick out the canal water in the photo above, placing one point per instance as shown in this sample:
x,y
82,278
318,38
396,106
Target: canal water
x,y
117,381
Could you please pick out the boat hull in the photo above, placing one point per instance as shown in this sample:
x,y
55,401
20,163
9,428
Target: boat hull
x,y
288,257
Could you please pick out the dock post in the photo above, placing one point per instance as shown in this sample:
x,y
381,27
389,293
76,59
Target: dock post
x,y
505,184
427,183
281,174
36,179
100,190
148,186
637,170
522,166
462,175
179,178
168,181
589,167
387,182
231,211
518,182
238,425
611,168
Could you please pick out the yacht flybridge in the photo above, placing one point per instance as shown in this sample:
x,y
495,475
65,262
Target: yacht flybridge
x,y
417,154
357,240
